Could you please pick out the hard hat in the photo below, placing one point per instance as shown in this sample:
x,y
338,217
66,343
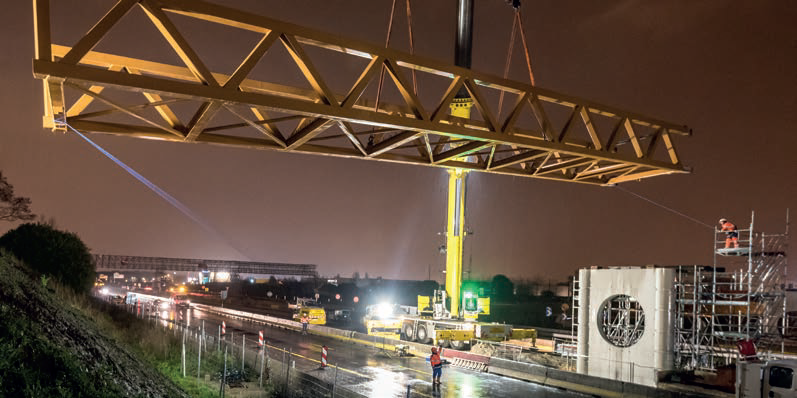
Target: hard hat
x,y
722,220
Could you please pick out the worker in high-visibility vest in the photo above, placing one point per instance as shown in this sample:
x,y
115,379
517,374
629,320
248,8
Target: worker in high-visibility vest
x,y
437,366
305,321
732,234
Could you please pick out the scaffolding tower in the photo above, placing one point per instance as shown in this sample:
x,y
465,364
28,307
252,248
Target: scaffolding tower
x,y
741,297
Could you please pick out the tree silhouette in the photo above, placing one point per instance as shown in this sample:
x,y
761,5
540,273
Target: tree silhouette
x,y
13,208
503,288
52,252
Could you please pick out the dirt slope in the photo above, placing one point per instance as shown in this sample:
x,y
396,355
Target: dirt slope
x,y
48,348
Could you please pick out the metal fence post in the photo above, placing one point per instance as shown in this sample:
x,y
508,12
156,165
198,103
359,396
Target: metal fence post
x,y
199,357
335,380
182,357
262,365
224,375
287,369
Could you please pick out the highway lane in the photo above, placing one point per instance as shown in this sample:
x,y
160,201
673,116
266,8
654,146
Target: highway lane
x,y
370,371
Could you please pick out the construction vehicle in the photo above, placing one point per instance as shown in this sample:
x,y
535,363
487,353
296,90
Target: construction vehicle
x,y
439,319
431,322
766,379
435,324
340,315
303,302
385,319
317,315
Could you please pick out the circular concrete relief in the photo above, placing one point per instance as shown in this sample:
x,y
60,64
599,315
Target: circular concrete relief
x,y
621,320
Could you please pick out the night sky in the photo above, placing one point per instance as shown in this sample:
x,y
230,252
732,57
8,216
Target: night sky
x,y
727,69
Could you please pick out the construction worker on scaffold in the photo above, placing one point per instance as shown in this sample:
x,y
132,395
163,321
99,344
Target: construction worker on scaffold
x,y
731,233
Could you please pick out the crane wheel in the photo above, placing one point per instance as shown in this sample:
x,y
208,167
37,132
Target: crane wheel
x,y
408,332
423,337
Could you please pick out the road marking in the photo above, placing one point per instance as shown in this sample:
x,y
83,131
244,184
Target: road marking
x,y
317,361
352,371
416,370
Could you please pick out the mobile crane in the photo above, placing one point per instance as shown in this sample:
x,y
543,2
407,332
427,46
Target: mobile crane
x,y
441,318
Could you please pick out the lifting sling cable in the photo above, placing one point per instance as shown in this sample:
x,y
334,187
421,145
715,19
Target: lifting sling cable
x,y
387,44
525,46
665,207
506,65
412,45
517,24
163,194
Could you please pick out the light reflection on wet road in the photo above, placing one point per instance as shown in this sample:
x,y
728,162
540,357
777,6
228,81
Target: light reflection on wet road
x,y
370,371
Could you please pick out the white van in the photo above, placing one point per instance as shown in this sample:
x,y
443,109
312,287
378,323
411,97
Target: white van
x,y
772,379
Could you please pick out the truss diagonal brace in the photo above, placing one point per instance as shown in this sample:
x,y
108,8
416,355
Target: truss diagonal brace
x,y
393,142
462,150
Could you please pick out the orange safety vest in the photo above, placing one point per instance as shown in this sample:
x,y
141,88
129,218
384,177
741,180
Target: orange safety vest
x,y
435,360
305,319
728,226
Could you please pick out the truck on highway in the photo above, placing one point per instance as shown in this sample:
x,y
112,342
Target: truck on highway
x,y
771,379
180,300
131,298
385,319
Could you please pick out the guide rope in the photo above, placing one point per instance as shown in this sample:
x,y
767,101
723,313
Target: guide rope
x,y
665,207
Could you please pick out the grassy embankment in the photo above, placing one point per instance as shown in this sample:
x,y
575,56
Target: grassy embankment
x,y
54,342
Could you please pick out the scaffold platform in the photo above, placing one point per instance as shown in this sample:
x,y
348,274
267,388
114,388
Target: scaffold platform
x,y
733,251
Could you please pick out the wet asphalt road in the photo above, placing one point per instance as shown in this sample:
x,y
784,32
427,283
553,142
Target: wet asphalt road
x,y
370,371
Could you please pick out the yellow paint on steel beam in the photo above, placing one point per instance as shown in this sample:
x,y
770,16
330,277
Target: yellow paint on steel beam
x,y
454,334
455,232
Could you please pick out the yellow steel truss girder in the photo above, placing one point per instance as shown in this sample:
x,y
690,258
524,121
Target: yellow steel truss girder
x,y
496,145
